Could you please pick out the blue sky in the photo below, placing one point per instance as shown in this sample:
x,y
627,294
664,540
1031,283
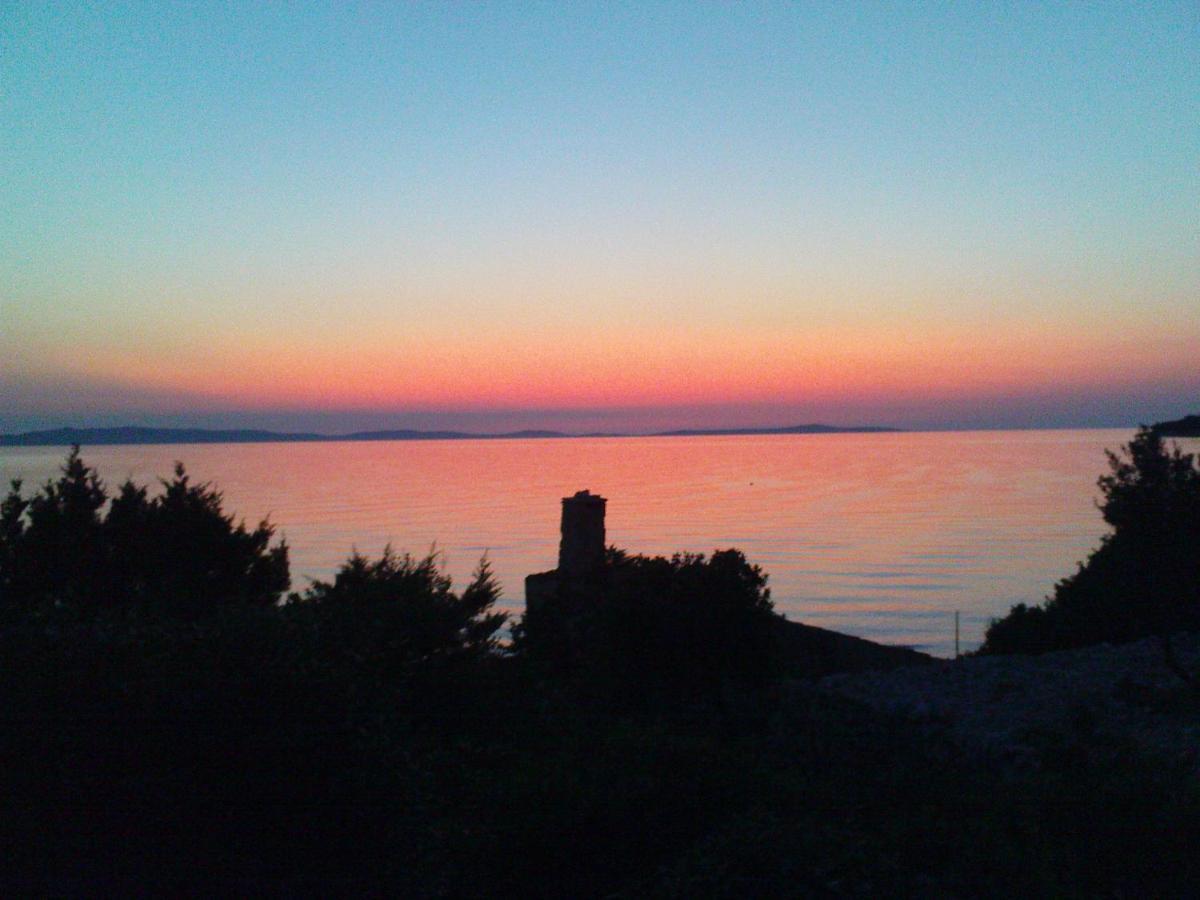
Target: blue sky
x,y
602,213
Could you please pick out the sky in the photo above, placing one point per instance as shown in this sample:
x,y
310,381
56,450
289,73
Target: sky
x,y
621,216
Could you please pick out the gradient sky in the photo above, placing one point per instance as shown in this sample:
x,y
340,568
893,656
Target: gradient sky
x,y
627,216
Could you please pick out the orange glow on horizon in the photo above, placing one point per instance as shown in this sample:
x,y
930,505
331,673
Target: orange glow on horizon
x,y
567,369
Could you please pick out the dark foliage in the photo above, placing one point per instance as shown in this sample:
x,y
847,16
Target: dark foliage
x,y
649,625
1143,579
262,744
398,614
248,752
367,737
177,550
53,545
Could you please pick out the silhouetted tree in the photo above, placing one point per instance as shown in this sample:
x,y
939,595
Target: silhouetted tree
x,y
403,611
178,551
195,554
1144,578
53,542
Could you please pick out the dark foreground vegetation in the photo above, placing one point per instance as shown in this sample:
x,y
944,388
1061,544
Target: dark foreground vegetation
x,y
1143,579
171,721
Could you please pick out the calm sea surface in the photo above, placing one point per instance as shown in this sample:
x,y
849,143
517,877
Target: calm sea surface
x,y
883,536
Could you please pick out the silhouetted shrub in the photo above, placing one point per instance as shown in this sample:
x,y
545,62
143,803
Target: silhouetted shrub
x,y
402,612
364,738
53,544
1143,579
651,624
178,550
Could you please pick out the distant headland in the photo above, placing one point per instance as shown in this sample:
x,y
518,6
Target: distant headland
x,y
137,435
1188,426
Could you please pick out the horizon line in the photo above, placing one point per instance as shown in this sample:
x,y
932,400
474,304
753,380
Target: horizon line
x,y
149,435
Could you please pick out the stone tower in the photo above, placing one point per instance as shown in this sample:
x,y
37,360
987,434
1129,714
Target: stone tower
x,y
581,549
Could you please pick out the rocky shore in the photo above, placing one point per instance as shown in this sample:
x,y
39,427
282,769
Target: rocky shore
x,y
1104,700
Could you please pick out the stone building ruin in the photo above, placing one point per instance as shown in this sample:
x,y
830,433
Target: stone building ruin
x,y
580,549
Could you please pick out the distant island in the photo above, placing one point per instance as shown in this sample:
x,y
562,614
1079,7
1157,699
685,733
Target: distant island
x,y
1188,426
136,435
791,429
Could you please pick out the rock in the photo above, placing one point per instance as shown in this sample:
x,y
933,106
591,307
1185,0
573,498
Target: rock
x,y
1009,707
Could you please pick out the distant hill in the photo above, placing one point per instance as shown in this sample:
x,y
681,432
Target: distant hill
x,y
132,435
412,435
789,429
135,435
1188,426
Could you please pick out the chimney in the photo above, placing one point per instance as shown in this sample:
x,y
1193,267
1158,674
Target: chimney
x,y
581,550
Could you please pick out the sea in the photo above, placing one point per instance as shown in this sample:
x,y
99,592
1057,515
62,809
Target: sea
x,y
888,536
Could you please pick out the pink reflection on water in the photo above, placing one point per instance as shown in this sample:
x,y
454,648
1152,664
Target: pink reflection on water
x,y
879,535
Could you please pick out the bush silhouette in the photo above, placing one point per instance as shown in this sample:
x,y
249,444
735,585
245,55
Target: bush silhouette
x,y
1143,579
178,551
402,612
198,555
53,543
363,737
650,625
